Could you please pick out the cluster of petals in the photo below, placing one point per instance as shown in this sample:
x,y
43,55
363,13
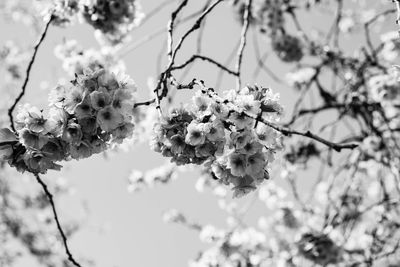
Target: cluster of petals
x,y
85,118
225,135
114,19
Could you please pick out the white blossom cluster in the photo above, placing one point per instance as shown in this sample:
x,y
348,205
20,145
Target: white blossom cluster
x,y
85,118
223,133
114,19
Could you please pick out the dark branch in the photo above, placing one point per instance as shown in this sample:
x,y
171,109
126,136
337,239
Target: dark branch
x,y
28,71
210,60
246,23
60,230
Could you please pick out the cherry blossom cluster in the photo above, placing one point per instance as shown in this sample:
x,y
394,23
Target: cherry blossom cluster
x,y
76,59
224,134
85,118
115,18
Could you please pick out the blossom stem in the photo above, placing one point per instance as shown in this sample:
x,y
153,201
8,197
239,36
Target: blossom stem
x,y
246,23
28,71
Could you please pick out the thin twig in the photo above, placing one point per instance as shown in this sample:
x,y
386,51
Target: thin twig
x,y
60,230
28,71
246,23
397,3
260,59
155,11
204,58
166,74
171,26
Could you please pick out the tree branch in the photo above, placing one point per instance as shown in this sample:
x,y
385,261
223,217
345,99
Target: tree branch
x,y
60,230
246,23
28,71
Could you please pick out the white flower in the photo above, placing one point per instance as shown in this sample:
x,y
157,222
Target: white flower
x,y
109,119
241,120
267,135
201,103
214,130
237,164
195,133
246,103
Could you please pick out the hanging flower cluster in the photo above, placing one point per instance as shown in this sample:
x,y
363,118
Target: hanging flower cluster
x,y
85,118
115,18
223,133
76,59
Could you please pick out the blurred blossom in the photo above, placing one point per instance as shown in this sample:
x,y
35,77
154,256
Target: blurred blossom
x,y
160,175
173,216
114,19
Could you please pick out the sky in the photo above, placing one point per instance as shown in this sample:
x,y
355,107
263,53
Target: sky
x,y
121,229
